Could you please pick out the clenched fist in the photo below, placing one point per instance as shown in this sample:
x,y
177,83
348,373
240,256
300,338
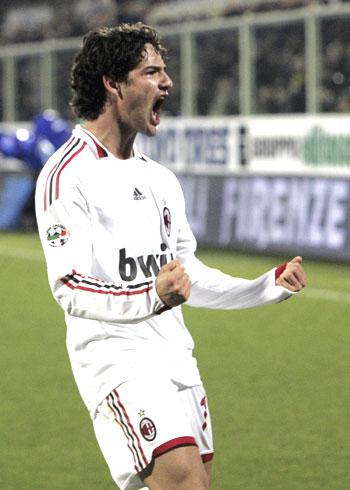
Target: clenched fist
x,y
293,276
172,284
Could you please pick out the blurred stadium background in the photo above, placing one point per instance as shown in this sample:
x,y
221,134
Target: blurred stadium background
x,y
258,131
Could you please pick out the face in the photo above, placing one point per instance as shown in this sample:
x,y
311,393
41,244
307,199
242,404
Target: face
x,y
143,94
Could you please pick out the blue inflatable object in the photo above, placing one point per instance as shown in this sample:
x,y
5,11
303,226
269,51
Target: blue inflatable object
x,y
49,124
15,190
35,146
9,145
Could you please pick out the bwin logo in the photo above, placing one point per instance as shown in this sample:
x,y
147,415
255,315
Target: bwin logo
x,y
149,264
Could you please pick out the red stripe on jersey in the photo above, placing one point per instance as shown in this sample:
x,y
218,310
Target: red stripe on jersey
x,y
83,277
101,152
98,291
53,170
75,280
46,184
68,143
177,442
98,281
131,427
64,166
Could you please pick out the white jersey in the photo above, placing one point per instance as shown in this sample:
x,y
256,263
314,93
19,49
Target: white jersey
x,y
106,227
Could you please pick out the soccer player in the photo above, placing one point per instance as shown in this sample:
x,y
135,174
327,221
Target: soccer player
x,y
121,261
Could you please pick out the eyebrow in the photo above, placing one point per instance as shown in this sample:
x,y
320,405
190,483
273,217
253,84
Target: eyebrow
x,y
155,67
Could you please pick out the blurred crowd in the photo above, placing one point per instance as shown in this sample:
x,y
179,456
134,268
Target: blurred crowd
x,y
280,78
279,50
24,21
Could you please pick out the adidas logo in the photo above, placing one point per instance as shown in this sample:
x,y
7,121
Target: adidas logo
x,y
138,196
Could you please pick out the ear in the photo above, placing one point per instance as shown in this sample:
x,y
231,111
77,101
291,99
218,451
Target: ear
x,y
113,88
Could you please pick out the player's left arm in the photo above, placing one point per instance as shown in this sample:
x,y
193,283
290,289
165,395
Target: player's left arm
x,y
212,288
291,275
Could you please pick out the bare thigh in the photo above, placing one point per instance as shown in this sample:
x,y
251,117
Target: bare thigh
x,y
208,466
179,469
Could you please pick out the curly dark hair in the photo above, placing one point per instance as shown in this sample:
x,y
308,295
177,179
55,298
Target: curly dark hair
x,y
109,51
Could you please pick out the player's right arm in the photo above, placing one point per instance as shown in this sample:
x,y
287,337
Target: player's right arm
x,y
173,284
66,236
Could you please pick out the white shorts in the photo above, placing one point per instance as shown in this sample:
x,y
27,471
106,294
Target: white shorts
x,y
138,422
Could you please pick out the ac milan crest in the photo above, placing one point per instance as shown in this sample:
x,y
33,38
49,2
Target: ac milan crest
x,y
167,220
148,429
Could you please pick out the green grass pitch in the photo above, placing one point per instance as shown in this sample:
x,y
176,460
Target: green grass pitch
x,y
277,379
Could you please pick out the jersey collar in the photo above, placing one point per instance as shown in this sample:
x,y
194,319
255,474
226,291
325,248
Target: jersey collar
x,y
97,147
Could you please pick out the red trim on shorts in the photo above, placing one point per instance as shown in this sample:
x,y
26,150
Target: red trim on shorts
x,y
174,443
207,457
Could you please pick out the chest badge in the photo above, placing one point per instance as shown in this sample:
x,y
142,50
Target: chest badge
x,y
167,220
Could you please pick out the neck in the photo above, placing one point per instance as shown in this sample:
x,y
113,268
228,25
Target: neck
x,y
117,139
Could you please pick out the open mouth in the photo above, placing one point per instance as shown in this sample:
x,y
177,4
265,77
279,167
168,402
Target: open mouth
x,y
156,110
